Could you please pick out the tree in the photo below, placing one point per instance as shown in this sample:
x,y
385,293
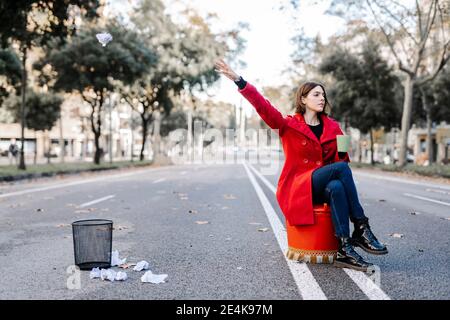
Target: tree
x,y
187,54
10,72
43,110
432,104
407,32
363,92
32,23
82,65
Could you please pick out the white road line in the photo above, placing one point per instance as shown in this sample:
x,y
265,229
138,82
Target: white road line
x,y
421,184
426,199
95,201
370,289
266,182
63,185
159,180
437,191
307,285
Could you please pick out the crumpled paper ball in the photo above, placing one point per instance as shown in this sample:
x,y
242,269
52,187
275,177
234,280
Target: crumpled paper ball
x,y
104,38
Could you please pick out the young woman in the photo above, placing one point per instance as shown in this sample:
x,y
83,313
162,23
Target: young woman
x,y
314,171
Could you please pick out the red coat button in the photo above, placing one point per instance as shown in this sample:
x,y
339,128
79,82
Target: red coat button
x,y
318,163
305,160
304,142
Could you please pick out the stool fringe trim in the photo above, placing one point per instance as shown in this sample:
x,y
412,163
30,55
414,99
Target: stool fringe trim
x,y
311,256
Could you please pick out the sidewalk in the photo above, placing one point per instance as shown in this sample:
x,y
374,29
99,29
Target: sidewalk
x,y
12,173
408,174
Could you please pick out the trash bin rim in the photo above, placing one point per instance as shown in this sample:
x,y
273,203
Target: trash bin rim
x,y
100,222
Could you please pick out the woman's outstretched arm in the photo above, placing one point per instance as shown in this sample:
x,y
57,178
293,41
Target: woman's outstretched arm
x,y
265,109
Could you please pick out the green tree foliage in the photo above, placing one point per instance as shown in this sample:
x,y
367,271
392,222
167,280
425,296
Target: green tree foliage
x,y
10,73
186,61
43,109
363,92
32,23
82,65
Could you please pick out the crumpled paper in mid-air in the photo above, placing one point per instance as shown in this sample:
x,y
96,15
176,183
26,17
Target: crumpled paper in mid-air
x,y
104,38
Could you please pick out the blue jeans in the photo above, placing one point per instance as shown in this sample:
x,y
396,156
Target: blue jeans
x,y
334,185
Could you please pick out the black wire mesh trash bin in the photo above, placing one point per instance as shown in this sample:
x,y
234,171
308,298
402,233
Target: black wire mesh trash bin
x,y
92,243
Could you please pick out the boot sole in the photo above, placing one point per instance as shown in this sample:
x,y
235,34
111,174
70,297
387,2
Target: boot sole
x,y
378,253
338,264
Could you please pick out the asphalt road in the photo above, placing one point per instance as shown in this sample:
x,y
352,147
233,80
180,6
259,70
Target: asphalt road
x,y
156,213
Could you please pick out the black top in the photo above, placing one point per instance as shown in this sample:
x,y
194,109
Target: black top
x,y
317,129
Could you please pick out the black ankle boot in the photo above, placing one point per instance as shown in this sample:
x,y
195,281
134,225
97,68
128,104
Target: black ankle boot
x,y
364,238
347,257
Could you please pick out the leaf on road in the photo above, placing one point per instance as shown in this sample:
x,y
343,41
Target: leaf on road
x,y
229,196
201,222
193,211
82,211
263,229
397,235
62,225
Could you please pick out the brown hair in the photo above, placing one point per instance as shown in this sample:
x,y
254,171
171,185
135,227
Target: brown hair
x,y
303,91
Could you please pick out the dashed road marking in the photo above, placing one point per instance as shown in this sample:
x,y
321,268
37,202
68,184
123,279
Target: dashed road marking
x,y
96,201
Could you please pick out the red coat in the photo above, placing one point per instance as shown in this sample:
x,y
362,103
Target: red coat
x,y
303,154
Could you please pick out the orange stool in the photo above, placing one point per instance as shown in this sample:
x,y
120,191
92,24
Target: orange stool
x,y
313,243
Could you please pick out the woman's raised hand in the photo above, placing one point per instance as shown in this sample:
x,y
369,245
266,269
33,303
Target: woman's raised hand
x,y
223,68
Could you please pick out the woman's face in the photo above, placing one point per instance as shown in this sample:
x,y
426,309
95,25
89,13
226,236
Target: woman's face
x,y
315,100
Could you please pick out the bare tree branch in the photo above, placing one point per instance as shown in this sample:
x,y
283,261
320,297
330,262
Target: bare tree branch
x,y
419,13
445,57
391,45
403,7
430,21
423,41
396,19
441,16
